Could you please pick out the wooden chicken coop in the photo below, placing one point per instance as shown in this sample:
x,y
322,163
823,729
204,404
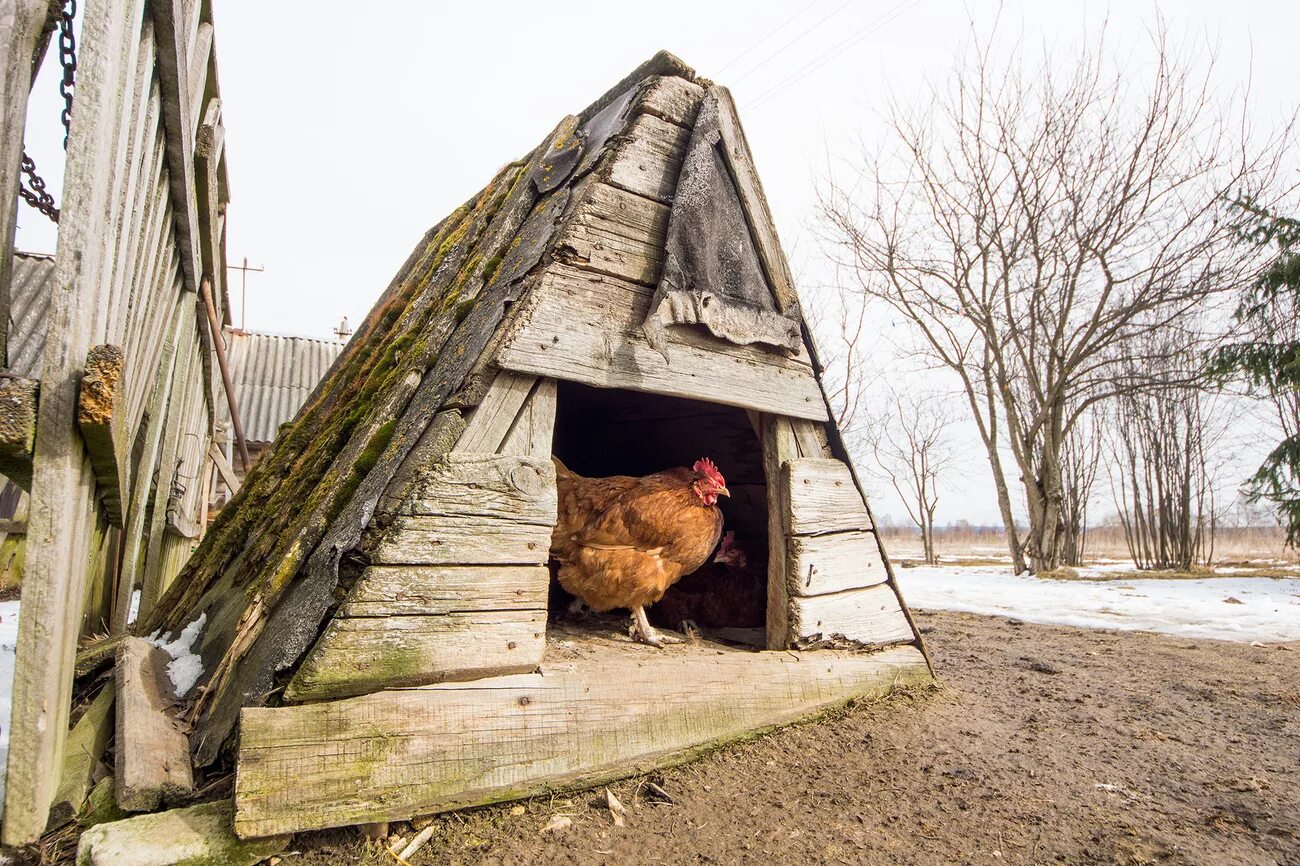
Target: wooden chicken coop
x,y
374,610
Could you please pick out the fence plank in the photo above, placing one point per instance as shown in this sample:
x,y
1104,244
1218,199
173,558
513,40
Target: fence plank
x,y
62,509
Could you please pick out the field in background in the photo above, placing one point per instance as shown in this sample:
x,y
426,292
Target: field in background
x,y
985,545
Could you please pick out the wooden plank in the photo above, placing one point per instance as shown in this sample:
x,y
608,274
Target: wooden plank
x,y
534,426
811,439
869,617
649,162
18,409
618,233
406,590
102,422
586,327
778,448
223,467
134,540
463,540
82,755
670,98
62,512
822,497
195,835
21,25
134,211
187,373
752,199
364,654
197,76
486,487
152,759
395,754
178,131
820,564
491,420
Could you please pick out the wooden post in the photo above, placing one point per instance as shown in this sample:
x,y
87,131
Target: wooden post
x,y
21,24
778,447
62,503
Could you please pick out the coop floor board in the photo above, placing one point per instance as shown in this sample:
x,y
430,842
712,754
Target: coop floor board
x,y
600,708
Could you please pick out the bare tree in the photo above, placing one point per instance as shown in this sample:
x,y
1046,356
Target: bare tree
x,y
1163,481
1080,460
913,447
1037,221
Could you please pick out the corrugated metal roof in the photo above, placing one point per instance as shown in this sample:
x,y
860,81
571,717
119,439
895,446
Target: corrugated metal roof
x,y
273,375
29,308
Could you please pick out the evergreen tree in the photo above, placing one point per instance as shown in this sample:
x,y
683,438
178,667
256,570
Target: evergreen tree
x,y
1266,356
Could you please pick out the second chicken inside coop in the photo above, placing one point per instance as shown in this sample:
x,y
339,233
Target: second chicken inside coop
x,y
666,466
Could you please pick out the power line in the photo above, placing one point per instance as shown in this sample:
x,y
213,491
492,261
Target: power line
x,y
852,39
742,55
778,52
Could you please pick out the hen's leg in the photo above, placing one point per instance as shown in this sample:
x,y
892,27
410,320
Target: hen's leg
x,y
644,632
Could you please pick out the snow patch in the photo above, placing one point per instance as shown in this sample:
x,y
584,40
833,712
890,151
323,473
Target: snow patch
x,y
1269,612
186,667
135,608
8,649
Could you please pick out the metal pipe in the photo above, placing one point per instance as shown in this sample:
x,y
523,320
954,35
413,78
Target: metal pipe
x,y
214,326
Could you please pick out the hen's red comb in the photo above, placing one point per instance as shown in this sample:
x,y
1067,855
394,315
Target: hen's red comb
x,y
706,466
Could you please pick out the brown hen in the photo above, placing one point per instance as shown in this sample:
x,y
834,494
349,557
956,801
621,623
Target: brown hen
x,y
622,541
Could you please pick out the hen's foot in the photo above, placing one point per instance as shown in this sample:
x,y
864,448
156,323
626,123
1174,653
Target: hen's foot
x,y
642,631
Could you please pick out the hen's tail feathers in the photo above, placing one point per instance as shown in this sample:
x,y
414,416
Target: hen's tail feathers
x,y
561,471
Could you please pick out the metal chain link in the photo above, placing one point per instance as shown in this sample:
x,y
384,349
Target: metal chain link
x,y
68,59
37,196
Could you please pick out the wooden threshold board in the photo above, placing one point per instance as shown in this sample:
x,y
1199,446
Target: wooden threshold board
x,y
582,720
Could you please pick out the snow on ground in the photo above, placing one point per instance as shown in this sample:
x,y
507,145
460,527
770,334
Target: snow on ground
x,y
1269,608
8,645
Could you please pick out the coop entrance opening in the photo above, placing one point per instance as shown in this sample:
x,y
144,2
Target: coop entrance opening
x,y
601,432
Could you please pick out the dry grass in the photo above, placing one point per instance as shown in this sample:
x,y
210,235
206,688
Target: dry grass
x,y
1253,551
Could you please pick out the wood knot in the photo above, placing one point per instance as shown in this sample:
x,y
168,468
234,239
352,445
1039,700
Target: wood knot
x,y
512,645
525,701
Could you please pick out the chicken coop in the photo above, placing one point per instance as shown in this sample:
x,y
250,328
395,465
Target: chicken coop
x,y
374,613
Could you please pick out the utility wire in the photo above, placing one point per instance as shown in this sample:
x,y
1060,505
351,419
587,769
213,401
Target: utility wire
x,y
750,50
852,39
778,52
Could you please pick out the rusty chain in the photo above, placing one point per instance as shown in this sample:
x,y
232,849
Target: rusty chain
x,y
37,196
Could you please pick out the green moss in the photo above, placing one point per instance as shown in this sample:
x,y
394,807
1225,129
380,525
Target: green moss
x,y
462,310
493,264
367,459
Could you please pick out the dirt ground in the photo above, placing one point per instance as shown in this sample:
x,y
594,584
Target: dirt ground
x,y
1044,745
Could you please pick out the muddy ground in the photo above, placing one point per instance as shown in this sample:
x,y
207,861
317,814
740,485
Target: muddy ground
x,y
1044,745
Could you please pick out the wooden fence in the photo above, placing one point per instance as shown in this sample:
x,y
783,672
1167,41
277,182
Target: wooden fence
x,y
124,411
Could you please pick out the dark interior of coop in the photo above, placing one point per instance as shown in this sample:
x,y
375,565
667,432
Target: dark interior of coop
x,y
605,431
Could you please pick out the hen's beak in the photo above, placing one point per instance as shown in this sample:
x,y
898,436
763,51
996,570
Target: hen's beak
x,y
722,491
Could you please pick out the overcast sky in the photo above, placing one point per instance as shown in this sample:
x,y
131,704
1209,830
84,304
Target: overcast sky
x,y
351,132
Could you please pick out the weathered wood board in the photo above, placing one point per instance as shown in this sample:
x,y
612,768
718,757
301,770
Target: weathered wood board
x,y
869,616
152,761
586,327
617,233
357,655
651,159
822,497
395,754
458,586
671,98
820,564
